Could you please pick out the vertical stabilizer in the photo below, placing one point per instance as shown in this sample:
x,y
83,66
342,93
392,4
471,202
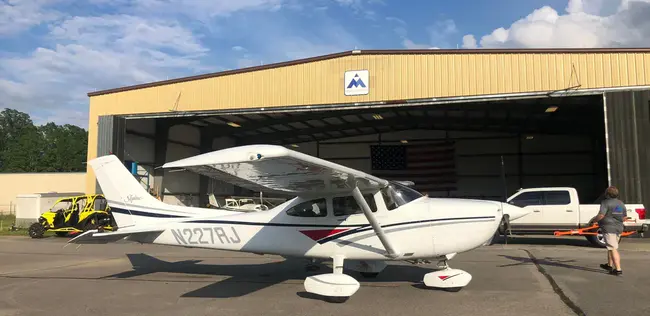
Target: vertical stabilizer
x,y
123,192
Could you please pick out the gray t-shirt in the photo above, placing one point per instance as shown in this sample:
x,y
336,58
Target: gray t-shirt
x,y
615,212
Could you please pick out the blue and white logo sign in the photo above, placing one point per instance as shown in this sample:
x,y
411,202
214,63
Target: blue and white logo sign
x,y
356,82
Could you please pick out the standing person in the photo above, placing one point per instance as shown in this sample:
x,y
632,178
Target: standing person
x,y
610,219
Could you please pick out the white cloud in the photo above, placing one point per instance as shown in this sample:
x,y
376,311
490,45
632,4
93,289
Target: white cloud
x,y
143,41
586,24
439,34
204,9
19,15
92,53
469,41
409,44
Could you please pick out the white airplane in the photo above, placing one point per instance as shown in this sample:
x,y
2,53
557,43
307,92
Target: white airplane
x,y
338,214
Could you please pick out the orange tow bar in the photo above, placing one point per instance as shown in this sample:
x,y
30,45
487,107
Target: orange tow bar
x,y
586,231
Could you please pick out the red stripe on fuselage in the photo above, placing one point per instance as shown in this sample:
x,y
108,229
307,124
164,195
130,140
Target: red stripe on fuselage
x,y
321,233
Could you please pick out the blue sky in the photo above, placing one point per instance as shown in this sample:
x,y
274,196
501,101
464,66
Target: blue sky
x,y
53,52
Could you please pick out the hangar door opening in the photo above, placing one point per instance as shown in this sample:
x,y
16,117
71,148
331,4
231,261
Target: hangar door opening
x,y
453,150
448,150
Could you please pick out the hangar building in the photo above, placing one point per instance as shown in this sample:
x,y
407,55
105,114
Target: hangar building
x,y
452,121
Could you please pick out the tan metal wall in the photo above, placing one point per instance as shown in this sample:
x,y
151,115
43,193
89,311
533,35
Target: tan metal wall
x,y
13,184
392,77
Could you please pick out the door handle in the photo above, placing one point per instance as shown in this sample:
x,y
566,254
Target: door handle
x,y
569,210
536,211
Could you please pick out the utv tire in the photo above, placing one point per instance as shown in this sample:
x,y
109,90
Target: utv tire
x,y
36,230
90,226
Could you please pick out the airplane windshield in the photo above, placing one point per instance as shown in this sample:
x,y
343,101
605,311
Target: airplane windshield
x,y
397,195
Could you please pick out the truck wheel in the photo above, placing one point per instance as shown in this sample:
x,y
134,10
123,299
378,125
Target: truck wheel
x,y
598,240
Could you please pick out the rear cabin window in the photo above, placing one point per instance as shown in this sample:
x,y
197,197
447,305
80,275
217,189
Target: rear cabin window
x,y
557,197
313,208
347,205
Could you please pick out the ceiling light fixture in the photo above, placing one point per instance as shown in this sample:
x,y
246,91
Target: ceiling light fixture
x,y
233,124
294,146
377,117
529,137
551,109
403,141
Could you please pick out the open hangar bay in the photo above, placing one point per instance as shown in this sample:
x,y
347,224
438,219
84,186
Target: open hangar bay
x,y
446,120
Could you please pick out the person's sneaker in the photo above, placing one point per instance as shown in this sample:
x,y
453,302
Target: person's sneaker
x,y
606,267
615,272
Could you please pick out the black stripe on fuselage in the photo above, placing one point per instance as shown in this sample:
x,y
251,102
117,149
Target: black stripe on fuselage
x,y
144,213
357,228
211,221
367,228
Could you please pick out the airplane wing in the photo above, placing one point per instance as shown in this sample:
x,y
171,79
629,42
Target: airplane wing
x,y
278,169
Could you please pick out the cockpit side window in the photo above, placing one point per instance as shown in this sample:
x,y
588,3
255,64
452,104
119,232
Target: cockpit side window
x,y
313,208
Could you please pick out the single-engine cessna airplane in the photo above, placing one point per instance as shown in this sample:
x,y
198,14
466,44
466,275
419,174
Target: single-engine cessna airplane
x,y
338,214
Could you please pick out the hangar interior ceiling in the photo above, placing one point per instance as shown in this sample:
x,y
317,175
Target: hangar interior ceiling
x,y
543,142
578,115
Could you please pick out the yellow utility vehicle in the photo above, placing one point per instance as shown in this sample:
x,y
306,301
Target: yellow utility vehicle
x,y
75,214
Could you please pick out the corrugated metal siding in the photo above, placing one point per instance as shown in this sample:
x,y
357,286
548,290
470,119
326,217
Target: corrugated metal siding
x,y
110,138
628,136
392,77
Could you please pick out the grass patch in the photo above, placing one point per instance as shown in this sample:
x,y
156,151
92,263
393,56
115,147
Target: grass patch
x,y
6,221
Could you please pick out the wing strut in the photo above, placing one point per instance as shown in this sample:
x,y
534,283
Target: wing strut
x,y
392,253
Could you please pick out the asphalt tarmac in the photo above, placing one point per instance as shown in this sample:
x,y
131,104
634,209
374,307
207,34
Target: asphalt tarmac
x,y
527,276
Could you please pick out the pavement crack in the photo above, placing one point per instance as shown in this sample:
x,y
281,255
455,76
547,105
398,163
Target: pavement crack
x,y
556,288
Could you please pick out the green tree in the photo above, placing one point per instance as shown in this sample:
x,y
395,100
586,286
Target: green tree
x,y
47,148
25,154
65,147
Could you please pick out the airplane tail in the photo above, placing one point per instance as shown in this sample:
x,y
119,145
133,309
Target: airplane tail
x,y
128,199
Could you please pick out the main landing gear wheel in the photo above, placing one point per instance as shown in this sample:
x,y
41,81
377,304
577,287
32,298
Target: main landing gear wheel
x,y
336,299
335,287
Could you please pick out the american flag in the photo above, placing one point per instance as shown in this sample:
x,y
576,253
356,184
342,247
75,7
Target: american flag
x,y
432,167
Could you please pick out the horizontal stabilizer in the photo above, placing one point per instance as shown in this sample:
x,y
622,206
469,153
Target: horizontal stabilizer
x,y
95,237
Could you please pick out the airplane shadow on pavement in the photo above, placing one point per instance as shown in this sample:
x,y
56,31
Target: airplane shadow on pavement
x,y
548,261
243,279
